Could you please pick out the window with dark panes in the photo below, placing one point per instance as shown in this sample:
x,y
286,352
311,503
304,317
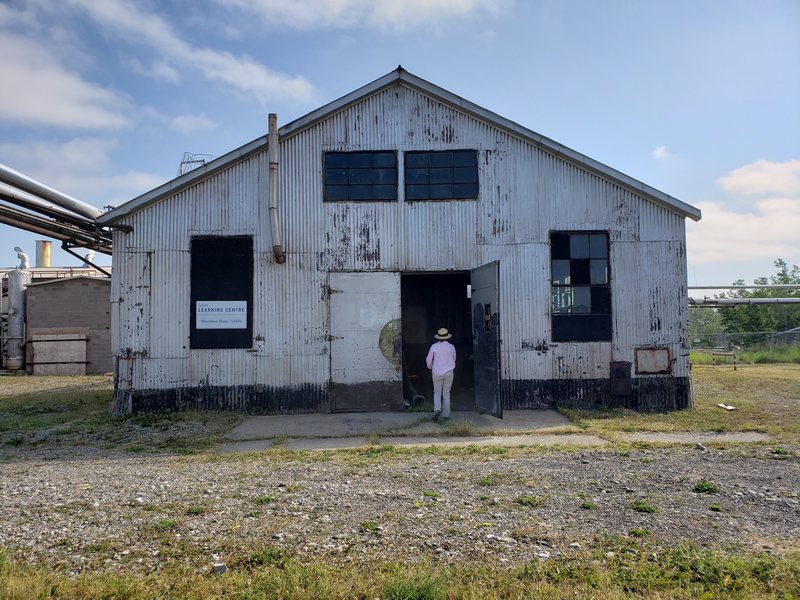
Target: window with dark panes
x,y
451,175
221,295
580,286
360,176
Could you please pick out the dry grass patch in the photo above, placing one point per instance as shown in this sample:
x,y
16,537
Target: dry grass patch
x,y
766,397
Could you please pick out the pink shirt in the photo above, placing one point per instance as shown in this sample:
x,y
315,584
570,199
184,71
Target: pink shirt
x,y
441,358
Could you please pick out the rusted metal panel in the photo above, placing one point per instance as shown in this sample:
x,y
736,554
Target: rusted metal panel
x,y
366,370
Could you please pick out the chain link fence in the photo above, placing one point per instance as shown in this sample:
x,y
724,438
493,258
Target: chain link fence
x,y
752,347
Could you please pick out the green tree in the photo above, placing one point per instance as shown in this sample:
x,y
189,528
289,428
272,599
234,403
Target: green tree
x,y
764,318
704,326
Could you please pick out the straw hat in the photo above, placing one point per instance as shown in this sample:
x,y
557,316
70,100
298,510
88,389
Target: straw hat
x,y
443,334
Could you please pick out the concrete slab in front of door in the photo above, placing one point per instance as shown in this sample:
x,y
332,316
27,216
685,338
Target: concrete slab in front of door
x,y
382,423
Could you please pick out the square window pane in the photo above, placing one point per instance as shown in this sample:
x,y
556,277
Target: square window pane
x,y
465,190
441,175
335,160
561,300
360,176
598,245
336,192
384,176
465,175
559,246
465,158
417,176
581,300
599,271
416,159
336,176
442,191
601,300
359,160
360,192
417,192
385,192
560,272
386,160
441,159
579,245
579,268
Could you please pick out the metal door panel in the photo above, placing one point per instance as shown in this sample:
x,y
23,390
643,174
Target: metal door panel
x,y
486,338
366,369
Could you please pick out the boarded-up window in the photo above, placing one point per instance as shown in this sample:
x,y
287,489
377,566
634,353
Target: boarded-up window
x,y
222,292
580,279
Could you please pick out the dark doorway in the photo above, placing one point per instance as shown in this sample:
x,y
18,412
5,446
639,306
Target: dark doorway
x,y
430,301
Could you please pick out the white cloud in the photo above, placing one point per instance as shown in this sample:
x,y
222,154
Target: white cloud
x,y
159,70
661,153
380,14
767,229
241,72
192,123
80,167
38,90
763,177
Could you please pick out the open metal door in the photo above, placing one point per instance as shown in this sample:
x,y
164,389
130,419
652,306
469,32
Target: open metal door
x,y
366,345
486,338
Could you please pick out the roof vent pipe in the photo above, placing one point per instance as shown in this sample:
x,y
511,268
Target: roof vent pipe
x,y
272,152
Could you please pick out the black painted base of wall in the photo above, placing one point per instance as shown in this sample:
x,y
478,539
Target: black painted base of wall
x,y
255,399
649,394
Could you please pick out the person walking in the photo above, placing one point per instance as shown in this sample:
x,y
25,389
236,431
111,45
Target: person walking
x,y
441,361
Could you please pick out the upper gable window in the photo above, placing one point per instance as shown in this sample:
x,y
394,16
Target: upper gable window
x,y
360,176
450,175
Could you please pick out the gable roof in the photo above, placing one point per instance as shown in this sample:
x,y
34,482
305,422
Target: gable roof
x,y
401,76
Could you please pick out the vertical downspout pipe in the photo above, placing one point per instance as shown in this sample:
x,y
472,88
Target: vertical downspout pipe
x,y
272,151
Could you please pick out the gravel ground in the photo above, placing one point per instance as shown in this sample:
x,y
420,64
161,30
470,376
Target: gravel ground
x,y
94,509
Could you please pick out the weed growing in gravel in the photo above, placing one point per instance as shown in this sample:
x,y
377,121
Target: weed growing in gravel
x,y
643,507
639,533
196,510
370,527
263,499
530,501
587,505
715,508
166,524
705,487
484,497
431,494
270,556
487,480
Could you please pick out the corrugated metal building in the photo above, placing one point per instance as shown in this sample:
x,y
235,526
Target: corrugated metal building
x,y
401,208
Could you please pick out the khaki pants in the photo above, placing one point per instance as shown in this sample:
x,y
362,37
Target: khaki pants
x,y
441,389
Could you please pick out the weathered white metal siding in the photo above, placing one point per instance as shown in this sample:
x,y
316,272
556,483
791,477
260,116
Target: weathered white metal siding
x,y
525,192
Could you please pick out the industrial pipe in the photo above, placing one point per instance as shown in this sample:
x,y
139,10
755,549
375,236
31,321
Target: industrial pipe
x,y
28,184
272,153
18,197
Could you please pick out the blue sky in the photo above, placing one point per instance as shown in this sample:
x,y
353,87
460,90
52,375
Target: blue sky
x,y
101,98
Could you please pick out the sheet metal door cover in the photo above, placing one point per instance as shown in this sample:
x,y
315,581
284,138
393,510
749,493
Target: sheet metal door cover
x,y
486,338
366,345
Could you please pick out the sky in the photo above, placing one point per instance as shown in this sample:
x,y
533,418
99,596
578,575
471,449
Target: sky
x,y
100,99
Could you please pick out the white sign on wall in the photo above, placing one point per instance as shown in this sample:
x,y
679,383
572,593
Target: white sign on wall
x,y
221,314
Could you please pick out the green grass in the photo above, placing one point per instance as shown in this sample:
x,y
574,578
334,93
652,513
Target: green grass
x,y
530,501
643,506
588,505
73,411
765,397
431,494
610,569
705,487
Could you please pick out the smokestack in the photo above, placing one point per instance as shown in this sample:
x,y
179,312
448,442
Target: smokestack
x,y
44,253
